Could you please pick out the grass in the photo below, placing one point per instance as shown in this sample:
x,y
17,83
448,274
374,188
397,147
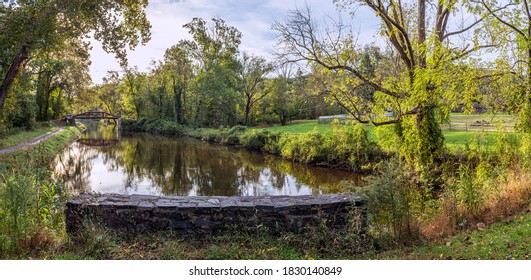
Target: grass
x,y
510,239
301,127
23,136
453,138
31,203
43,152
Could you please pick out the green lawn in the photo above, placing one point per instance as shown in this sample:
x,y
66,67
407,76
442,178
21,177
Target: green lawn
x,y
301,127
23,136
453,138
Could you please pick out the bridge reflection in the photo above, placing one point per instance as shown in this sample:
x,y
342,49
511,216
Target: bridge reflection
x,y
98,142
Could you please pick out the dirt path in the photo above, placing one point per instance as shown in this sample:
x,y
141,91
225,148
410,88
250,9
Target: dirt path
x,y
31,142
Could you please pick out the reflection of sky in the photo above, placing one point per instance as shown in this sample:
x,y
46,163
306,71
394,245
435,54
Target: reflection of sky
x,y
105,180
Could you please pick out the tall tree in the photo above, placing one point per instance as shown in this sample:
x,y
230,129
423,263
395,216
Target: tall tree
x,y
179,67
214,48
424,42
252,73
29,26
134,81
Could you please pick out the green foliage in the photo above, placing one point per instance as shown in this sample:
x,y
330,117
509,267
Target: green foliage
x,y
347,146
43,28
307,147
469,194
159,126
29,201
254,139
390,198
390,137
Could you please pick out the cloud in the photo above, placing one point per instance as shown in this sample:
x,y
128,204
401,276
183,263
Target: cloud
x,y
253,18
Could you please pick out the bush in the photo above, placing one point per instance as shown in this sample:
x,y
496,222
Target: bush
x,y
306,147
254,139
390,197
212,136
29,204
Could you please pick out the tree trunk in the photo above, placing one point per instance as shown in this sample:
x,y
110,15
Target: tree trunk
x,y
247,111
177,91
16,66
422,32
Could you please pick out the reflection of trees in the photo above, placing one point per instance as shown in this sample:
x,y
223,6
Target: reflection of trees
x,y
320,180
73,166
181,166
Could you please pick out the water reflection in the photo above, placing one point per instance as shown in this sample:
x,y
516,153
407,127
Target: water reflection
x,y
148,164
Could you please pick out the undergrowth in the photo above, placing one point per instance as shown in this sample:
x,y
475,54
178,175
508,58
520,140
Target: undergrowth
x,y
31,203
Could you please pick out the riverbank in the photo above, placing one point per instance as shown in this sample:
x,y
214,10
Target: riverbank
x,y
31,202
31,142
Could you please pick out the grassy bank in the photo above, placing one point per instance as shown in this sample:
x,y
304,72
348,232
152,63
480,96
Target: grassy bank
x,y
507,239
31,203
22,136
454,139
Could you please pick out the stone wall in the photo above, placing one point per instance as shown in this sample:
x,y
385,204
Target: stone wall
x,y
202,215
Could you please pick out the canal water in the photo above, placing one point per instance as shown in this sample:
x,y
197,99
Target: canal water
x,y
103,161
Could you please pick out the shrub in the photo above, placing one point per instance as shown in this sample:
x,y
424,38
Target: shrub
x,y
390,197
29,204
254,139
238,129
212,136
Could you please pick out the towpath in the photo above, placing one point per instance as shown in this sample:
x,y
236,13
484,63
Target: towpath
x,y
31,142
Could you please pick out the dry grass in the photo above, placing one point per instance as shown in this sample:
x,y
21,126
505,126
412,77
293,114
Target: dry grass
x,y
514,197
509,198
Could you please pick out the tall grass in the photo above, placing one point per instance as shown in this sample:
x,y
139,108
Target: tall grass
x,y
31,203
482,183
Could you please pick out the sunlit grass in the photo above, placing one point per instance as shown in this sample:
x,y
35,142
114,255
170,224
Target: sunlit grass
x,y
503,240
452,138
23,136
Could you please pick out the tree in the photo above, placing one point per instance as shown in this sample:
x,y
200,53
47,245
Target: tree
x,y
252,72
179,67
62,72
514,18
29,26
422,77
109,93
213,49
134,81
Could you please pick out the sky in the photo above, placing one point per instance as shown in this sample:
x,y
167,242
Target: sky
x,y
253,18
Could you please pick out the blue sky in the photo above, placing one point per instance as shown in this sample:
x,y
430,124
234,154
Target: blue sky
x,y
253,18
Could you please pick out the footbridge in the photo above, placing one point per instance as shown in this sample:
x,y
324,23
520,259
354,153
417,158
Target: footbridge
x,y
93,115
